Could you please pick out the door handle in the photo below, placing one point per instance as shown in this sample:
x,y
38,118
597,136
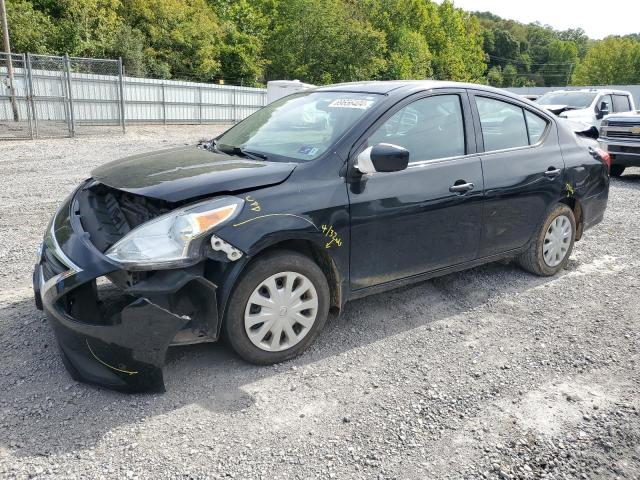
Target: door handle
x,y
461,186
552,173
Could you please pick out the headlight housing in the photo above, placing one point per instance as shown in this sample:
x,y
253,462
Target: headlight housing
x,y
175,238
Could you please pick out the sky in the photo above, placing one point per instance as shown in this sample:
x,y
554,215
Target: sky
x,y
623,16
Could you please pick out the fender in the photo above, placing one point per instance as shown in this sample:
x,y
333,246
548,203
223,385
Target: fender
x,y
255,230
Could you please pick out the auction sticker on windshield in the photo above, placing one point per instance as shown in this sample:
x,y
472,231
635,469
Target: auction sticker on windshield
x,y
308,150
351,103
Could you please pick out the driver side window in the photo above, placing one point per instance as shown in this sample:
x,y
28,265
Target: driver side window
x,y
429,128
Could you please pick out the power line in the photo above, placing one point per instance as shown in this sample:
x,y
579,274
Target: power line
x,y
525,63
539,74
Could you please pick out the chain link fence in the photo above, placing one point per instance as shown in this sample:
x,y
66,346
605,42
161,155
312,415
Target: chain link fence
x,y
15,108
96,95
59,96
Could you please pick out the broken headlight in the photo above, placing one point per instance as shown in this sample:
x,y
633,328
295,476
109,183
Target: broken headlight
x,y
174,238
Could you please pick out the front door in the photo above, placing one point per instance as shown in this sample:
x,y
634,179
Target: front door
x,y
425,217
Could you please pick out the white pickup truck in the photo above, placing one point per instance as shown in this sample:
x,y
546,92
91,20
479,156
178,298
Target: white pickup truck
x,y
588,105
620,136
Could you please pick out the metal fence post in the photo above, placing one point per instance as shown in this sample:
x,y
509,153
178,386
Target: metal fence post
x,y
67,68
233,100
31,95
121,92
27,94
164,106
200,105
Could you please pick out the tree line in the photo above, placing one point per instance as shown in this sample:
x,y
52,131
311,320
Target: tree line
x,y
319,41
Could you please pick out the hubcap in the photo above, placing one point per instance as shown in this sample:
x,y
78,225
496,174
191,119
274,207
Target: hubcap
x,y
281,311
557,241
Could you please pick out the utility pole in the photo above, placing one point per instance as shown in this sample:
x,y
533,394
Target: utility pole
x,y
7,49
569,73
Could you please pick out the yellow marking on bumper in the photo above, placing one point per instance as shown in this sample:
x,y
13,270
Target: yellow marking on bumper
x,y
128,372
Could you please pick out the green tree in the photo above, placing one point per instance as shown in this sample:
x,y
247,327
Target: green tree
x,y
562,56
539,38
319,41
451,44
89,28
456,40
245,30
577,36
506,47
494,76
30,30
614,60
409,56
131,48
323,41
402,21
510,76
183,37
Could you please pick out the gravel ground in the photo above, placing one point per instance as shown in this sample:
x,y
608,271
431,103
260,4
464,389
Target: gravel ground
x,y
488,373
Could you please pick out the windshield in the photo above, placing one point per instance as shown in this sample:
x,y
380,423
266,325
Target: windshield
x,y
570,99
301,126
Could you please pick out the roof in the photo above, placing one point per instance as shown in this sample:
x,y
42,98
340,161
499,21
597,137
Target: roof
x,y
381,87
386,86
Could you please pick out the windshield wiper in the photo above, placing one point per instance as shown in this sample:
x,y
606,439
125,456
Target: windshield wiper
x,y
240,152
254,155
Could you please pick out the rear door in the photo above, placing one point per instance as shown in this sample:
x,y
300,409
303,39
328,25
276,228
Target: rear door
x,y
427,216
523,170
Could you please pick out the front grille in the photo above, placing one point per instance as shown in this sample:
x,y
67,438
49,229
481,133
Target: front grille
x,y
614,123
618,134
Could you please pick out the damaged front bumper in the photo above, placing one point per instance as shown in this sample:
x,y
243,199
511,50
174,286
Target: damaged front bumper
x,y
113,326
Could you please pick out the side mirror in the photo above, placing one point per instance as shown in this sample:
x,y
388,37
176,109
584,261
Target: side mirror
x,y
384,157
602,110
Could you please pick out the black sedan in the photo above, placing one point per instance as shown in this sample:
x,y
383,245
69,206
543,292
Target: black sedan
x,y
321,197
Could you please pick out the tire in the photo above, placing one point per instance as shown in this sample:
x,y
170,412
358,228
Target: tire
x,y
287,269
533,258
617,170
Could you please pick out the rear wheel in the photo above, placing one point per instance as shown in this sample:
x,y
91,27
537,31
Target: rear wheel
x,y
277,309
617,170
549,251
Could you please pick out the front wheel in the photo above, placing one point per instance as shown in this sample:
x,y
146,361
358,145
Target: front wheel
x,y
549,250
617,170
277,309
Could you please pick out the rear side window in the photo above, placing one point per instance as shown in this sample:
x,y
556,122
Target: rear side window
x,y
503,124
508,126
429,128
536,126
621,103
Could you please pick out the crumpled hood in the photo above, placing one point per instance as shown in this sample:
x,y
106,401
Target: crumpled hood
x,y
182,173
558,109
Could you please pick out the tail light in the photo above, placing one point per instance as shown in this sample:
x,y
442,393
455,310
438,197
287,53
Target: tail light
x,y
602,155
